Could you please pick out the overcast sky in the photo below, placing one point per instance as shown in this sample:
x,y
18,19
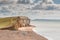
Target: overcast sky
x,y
55,1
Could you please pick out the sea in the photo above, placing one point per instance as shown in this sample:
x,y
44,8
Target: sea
x,y
49,29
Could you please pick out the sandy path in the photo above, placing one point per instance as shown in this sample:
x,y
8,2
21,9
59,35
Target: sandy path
x,y
19,35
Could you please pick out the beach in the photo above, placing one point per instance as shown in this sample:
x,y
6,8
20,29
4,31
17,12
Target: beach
x,y
20,35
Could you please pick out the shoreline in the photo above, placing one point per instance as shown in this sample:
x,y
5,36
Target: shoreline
x,y
42,35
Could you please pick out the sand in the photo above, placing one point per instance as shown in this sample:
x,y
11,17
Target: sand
x,y
20,35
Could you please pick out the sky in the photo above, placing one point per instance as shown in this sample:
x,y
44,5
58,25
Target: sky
x,y
55,1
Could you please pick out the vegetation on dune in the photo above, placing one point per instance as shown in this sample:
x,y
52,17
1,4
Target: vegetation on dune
x,y
14,22
6,22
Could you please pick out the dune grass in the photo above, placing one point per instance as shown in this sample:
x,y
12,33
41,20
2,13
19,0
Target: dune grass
x,y
6,22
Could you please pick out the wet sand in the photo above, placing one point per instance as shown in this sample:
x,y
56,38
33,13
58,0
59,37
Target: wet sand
x,y
19,35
